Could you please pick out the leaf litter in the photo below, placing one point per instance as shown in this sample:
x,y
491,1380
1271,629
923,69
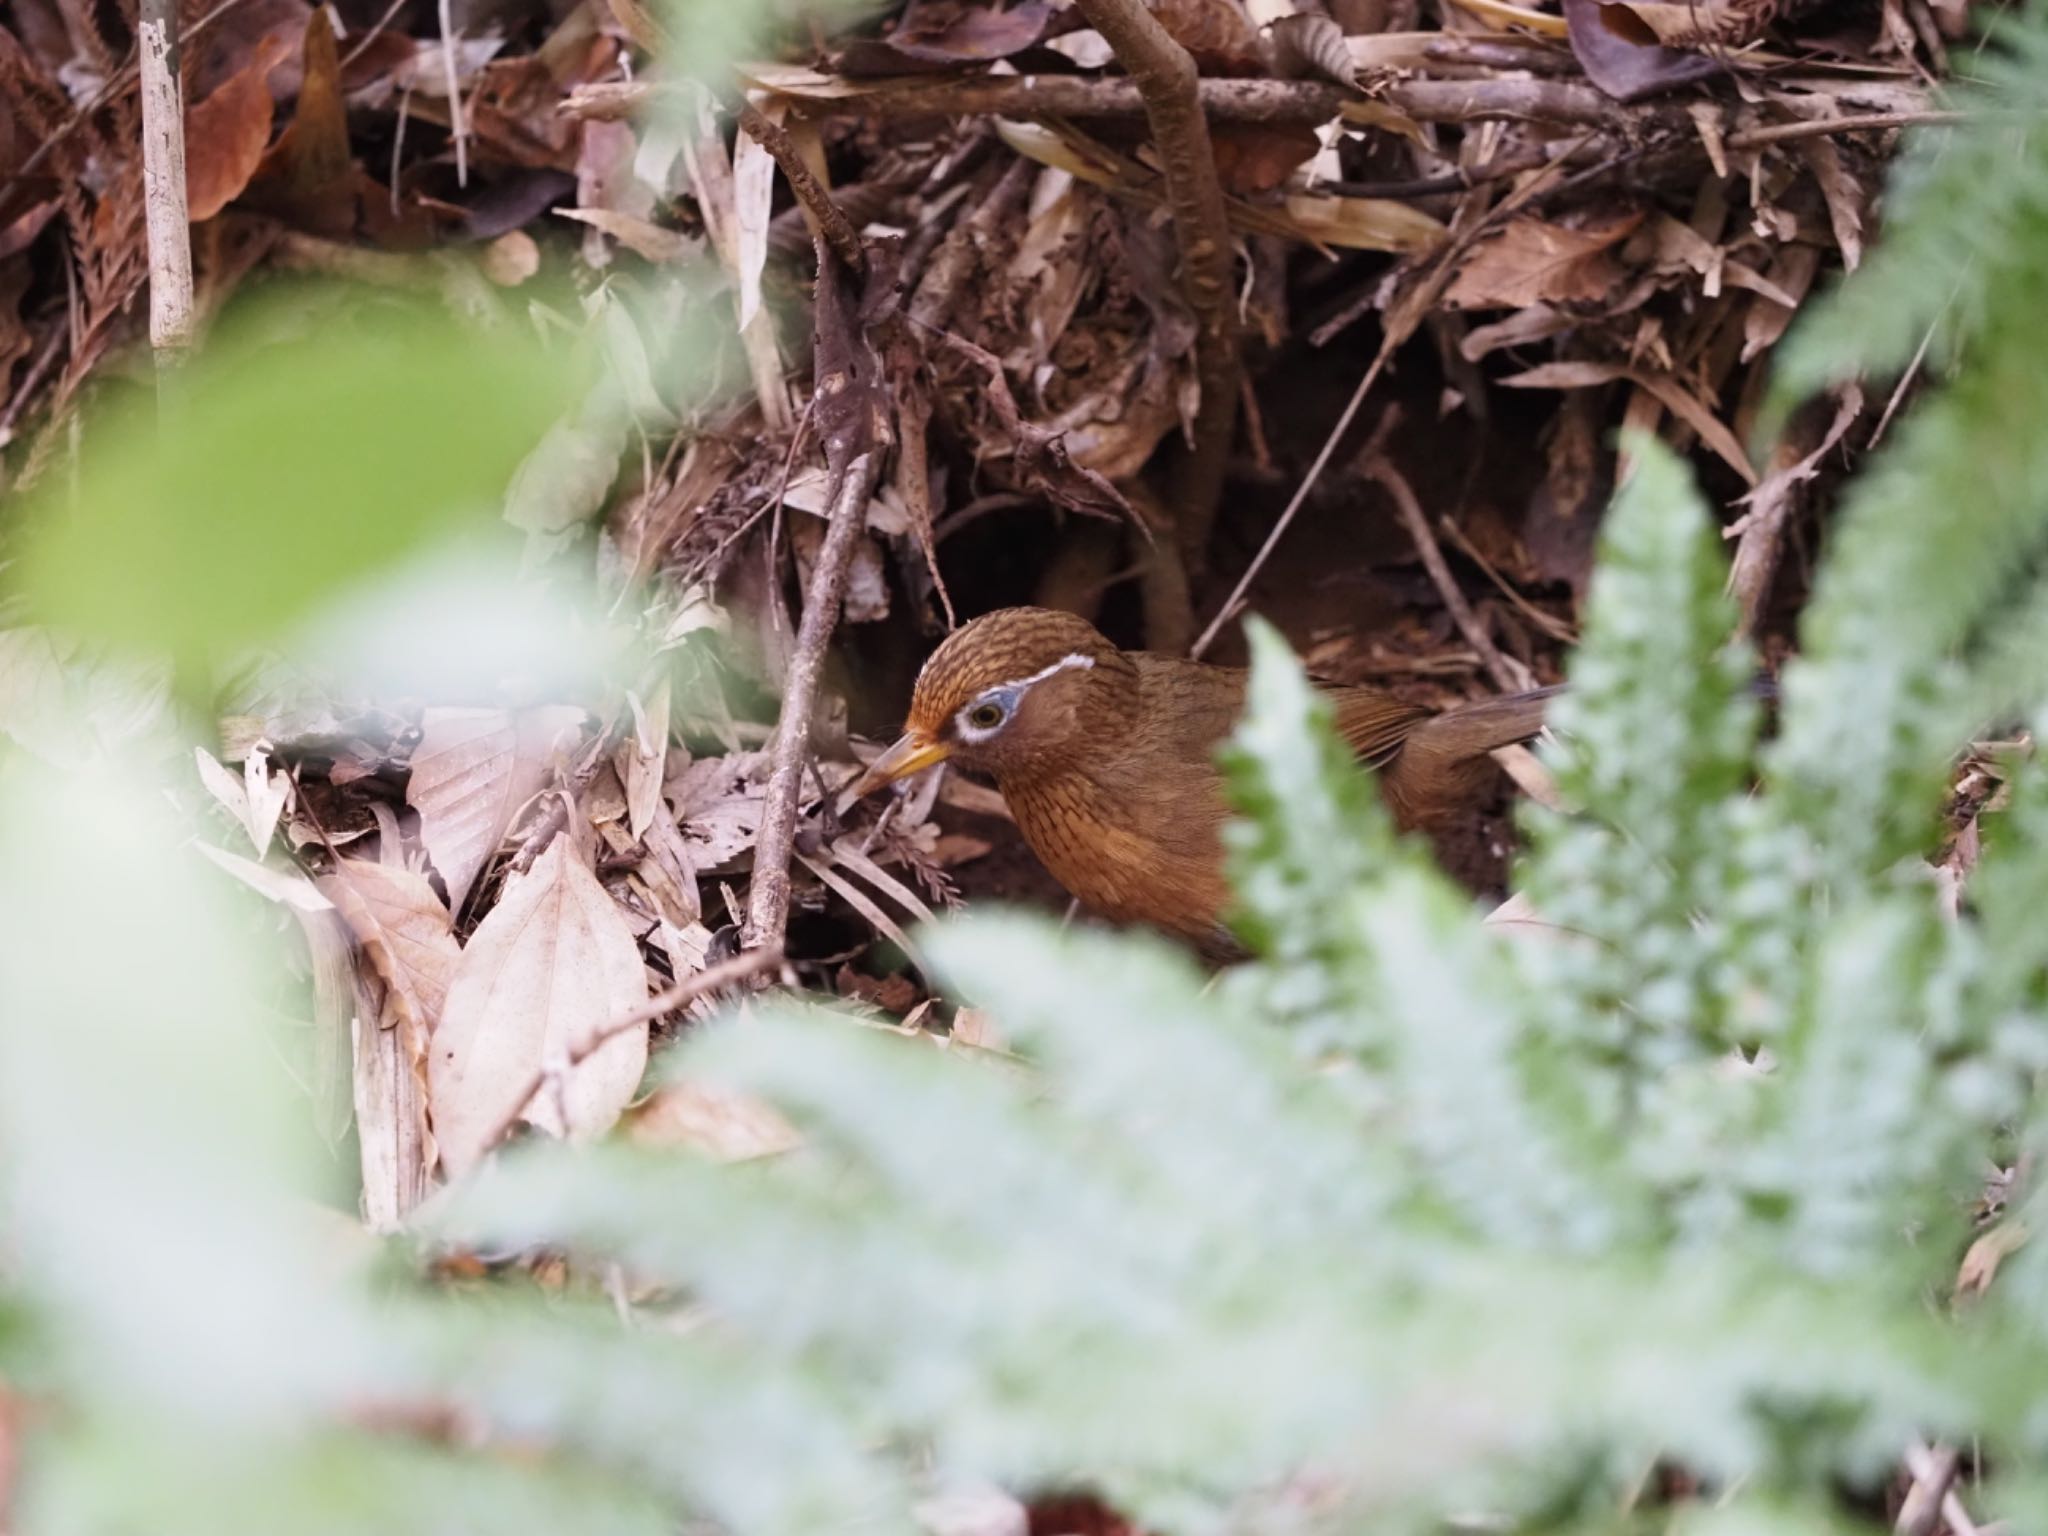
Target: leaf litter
x,y
1569,219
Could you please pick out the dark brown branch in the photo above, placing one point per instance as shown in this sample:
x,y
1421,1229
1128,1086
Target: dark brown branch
x,y
1166,79
1222,101
832,222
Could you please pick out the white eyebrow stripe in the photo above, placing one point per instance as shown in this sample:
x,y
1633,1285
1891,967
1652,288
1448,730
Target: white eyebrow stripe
x,y
1064,664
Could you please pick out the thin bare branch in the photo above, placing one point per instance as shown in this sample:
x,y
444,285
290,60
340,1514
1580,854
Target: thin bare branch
x,y
832,222
741,967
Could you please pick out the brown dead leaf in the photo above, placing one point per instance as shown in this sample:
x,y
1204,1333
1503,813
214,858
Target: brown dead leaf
x,y
1252,158
551,966
472,771
1844,198
1532,261
226,134
307,177
404,931
1216,32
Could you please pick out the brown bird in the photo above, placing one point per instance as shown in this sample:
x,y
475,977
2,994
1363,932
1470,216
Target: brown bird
x,y
1106,758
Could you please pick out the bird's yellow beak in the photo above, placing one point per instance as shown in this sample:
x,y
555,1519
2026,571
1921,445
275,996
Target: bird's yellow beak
x,y
912,753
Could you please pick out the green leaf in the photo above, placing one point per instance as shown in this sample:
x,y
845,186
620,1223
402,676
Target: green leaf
x,y
318,439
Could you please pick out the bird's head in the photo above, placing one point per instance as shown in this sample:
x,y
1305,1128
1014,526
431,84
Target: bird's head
x,y
1015,693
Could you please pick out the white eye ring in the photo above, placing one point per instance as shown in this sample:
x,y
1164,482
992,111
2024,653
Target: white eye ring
x,y
983,718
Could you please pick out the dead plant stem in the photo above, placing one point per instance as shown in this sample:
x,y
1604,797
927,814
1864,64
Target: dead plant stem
x,y
768,898
1166,79
163,186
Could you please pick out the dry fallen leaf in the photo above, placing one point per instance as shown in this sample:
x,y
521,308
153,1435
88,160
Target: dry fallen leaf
x,y
551,966
404,930
645,760
721,1123
226,134
1620,53
640,236
1532,261
472,771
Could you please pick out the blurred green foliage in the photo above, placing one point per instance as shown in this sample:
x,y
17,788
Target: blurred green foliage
x,y
1400,1223
308,448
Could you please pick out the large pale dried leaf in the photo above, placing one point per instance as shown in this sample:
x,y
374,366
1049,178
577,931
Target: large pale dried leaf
x,y
1620,53
257,799
285,886
226,134
551,966
404,931
711,178
1361,224
753,197
638,235
472,771
1532,261
396,1148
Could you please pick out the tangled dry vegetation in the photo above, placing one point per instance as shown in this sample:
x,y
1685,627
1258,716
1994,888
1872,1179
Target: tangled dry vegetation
x,y
959,290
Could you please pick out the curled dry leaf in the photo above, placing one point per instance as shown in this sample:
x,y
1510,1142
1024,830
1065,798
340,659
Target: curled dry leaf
x,y
1308,47
1532,261
1620,53
472,771
544,974
938,34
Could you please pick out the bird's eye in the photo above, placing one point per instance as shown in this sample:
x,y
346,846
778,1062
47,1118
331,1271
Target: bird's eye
x,y
985,716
